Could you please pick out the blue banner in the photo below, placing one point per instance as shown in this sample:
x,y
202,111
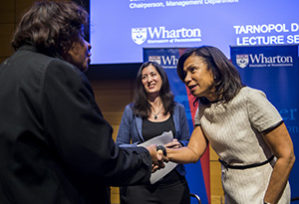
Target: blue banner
x,y
275,70
197,174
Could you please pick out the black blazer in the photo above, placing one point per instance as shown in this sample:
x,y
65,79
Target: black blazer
x,y
55,146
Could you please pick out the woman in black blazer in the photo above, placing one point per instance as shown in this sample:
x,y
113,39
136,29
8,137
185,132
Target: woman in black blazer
x,y
55,146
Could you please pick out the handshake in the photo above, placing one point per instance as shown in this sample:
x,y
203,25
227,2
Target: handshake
x,y
159,154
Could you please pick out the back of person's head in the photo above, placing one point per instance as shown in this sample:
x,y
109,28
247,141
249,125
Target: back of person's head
x,y
227,80
141,105
51,27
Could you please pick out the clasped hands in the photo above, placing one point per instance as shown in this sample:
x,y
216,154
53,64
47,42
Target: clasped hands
x,y
159,154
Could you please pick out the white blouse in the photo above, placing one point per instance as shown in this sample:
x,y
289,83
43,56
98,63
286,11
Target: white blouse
x,y
234,132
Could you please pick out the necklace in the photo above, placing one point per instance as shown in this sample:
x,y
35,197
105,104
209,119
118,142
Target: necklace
x,y
156,114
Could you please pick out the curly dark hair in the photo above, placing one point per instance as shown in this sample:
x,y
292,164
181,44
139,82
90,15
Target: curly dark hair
x,y
51,27
227,79
141,106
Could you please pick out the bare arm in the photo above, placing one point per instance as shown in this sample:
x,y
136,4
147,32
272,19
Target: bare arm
x,y
281,145
174,144
192,152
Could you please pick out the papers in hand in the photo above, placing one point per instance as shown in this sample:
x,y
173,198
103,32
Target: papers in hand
x,y
162,139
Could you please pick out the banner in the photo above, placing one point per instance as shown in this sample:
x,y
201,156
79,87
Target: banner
x,y
275,70
198,175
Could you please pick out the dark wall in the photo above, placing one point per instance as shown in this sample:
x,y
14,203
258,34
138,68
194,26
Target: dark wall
x,y
113,71
109,71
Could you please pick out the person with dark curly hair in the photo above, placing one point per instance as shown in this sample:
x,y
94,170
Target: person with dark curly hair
x,y
55,145
152,112
245,130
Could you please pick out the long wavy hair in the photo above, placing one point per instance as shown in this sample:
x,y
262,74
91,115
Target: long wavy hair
x,y
227,81
51,27
141,106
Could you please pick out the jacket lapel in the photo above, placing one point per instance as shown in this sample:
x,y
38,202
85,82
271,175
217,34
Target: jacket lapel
x,y
139,128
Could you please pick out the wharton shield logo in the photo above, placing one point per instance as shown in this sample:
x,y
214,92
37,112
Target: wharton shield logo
x,y
281,56
162,35
139,35
155,59
242,60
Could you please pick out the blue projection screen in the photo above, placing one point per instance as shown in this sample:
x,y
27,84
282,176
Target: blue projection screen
x,y
120,29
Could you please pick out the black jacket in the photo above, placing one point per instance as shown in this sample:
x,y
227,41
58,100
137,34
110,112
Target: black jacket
x,y
55,146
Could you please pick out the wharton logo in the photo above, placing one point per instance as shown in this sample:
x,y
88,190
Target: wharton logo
x,y
160,35
282,56
167,61
242,60
261,60
156,59
139,35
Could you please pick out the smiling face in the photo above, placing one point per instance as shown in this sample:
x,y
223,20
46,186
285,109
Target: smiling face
x,y
151,80
199,79
79,54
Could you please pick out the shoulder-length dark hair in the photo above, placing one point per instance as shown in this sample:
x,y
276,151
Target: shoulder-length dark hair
x,y
141,106
227,79
51,27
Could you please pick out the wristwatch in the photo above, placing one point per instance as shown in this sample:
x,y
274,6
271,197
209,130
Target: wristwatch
x,y
162,148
